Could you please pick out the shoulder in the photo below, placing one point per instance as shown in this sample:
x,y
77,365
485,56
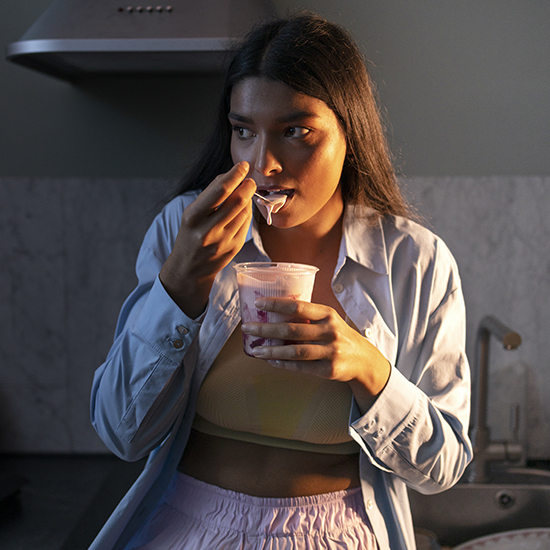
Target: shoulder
x,y
402,231
407,237
391,243
416,253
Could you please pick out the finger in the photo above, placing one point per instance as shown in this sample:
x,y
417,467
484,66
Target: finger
x,y
290,332
218,191
310,359
224,184
238,206
294,352
296,308
236,228
226,241
231,219
320,369
238,202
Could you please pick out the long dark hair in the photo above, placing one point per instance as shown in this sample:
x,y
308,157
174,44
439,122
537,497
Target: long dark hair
x,y
320,59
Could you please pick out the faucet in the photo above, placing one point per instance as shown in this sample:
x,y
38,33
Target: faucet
x,y
485,450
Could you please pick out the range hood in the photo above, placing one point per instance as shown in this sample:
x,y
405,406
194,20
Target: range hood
x,y
76,38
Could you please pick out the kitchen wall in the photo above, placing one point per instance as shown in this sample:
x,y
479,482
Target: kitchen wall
x,y
83,169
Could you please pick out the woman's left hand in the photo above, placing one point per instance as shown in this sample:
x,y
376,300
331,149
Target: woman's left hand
x,y
323,345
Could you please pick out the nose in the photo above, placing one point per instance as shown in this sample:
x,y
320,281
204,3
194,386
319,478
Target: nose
x,y
266,159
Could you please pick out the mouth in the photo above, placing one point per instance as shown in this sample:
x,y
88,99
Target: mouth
x,y
268,192
271,201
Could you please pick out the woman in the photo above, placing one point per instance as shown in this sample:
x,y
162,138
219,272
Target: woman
x,y
374,391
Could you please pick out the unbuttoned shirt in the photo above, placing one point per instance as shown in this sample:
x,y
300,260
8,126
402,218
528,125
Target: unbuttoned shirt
x,y
399,285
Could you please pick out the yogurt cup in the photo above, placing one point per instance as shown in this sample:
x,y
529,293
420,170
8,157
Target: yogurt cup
x,y
271,279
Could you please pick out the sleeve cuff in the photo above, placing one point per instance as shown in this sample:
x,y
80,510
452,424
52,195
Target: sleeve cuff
x,y
164,325
391,412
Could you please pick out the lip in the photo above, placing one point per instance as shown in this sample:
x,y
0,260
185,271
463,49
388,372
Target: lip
x,y
265,192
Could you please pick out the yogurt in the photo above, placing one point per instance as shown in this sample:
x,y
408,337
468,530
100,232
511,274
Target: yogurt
x,y
271,279
270,204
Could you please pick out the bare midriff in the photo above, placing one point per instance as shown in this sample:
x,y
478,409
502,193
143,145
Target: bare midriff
x,y
263,471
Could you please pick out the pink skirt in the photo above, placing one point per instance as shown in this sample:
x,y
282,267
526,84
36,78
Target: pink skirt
x,y
194,515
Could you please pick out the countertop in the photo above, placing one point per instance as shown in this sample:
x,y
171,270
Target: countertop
x,y
59,502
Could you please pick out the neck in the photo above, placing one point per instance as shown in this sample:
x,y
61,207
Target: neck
x,y
301,244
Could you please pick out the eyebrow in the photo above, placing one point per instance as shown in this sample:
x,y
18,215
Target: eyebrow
x,y
290,117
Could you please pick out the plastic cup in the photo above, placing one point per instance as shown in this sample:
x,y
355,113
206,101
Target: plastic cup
x,y
271,279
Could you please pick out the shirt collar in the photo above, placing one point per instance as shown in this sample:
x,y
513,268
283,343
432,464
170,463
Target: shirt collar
x,y
362,239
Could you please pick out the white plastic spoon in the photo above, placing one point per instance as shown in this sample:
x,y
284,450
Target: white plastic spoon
x,y
272,204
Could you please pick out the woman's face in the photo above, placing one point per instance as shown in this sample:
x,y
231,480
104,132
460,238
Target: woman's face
x,y
294,144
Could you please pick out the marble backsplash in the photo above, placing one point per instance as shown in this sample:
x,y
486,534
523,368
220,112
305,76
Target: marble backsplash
x,y
67,252
498,229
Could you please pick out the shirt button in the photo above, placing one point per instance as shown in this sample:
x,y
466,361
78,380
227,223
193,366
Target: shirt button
x,y
178,344
369,504
182,330
368,333
338,287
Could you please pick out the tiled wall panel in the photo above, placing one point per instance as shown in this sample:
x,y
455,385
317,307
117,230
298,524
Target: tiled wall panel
x,y
67,252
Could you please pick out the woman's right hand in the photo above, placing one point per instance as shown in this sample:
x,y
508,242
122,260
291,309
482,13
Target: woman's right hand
x,y
213,229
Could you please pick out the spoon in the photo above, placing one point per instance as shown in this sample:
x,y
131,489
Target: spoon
x,y
272,203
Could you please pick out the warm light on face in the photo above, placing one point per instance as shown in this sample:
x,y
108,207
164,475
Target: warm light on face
x,y
294,145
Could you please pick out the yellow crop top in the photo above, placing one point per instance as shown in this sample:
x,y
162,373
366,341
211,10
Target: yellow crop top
x,y
247,399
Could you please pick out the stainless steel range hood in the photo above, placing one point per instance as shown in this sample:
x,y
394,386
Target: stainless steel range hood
x,y
75,38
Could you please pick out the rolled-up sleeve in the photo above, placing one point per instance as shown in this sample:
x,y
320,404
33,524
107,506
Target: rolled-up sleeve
x,y
139,391
417,427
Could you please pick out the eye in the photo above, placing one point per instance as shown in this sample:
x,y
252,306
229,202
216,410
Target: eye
x,y
242,132
297,131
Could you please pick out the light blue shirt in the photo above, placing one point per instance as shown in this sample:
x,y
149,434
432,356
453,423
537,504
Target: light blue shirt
x,y
396,281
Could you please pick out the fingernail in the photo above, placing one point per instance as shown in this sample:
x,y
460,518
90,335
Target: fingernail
x,y
258,351
245,327
260,302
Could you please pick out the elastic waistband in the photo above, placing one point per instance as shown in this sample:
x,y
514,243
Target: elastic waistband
x,y
310,514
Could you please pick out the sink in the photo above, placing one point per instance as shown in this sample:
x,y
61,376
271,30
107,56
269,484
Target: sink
x,y
531,476
517,498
